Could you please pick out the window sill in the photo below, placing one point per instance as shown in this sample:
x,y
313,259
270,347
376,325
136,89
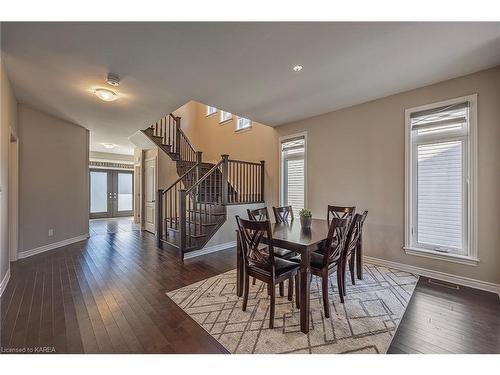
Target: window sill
x,y
223,122
211,114
461,259
242,130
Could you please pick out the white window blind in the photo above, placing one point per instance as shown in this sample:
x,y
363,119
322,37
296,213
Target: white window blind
x,y
439,181
225,116
243,123
211,110
293,173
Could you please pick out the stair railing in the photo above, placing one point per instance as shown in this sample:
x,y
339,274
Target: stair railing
x,y
168,206
169,130
247,182
201,206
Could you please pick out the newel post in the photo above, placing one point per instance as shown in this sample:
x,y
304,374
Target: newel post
x,y
159,217
225,178
262,174
182,220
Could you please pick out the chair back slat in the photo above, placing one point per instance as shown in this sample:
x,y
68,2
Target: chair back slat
x,y
354,234
255,253
335,241
340,212
283,214
260,214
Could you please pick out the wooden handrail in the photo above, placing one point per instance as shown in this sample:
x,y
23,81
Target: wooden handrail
x,y
205,176
180,178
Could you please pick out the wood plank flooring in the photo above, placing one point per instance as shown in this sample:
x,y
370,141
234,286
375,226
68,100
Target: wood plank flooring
x,y
107,295
440,319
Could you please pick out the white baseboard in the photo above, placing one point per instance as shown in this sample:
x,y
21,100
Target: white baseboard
x,y
460,280
51,246
4,282
210,249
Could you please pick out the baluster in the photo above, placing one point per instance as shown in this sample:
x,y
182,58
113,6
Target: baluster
x,y
262,174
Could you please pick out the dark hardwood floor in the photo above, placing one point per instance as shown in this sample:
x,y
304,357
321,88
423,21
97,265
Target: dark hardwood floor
x,y
441,319
107,295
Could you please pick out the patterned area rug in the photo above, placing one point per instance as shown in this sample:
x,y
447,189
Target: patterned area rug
x,y
365,323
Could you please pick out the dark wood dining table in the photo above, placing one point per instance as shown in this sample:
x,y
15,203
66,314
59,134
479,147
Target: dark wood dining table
x,y
291,236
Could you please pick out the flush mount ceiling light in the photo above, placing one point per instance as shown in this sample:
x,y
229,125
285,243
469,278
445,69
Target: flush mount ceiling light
x,y
297,68
106,95
109,145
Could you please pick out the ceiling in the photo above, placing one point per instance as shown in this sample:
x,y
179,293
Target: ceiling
x,y
244,68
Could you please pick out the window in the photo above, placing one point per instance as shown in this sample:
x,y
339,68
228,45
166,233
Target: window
x,y
225,116
243,123
211,110
293,172
440,175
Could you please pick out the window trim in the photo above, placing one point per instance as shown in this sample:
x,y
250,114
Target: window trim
x,y
207,113
471,166
237,129
221,121
280,158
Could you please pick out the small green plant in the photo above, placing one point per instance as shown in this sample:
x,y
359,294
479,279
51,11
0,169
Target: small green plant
x,y
305,213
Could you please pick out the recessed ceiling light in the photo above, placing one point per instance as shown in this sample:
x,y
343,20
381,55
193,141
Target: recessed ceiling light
x,y
297,68
106,95
109,145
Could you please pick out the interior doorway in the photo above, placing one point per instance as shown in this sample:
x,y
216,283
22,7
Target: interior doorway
x,y
111,193
150,194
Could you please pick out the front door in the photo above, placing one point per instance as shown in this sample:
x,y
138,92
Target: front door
x,y
150,195
111,193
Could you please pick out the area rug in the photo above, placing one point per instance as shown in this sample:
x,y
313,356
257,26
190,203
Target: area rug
x,y
365,323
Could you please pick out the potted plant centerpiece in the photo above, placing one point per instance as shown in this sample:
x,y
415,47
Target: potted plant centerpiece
x,y
305,218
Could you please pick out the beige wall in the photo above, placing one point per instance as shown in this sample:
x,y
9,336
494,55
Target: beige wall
x,y
214,139
54,181
356,156
8,124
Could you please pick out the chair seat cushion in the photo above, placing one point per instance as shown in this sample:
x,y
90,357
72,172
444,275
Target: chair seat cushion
x,y
281,266
283,253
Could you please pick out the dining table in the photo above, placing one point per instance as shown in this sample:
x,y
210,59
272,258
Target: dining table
x,y
292,236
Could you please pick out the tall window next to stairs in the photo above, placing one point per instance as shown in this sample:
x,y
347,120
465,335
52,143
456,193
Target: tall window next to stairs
x,y
293,172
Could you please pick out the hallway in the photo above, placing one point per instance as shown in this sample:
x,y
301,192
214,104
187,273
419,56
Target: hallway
x,y
113,225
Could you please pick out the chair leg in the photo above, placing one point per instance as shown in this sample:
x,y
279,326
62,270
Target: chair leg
x,y
324,289
269,288
282,290
253,281
343,263
340,283
351,269
297,290
290,289
273,303
245,293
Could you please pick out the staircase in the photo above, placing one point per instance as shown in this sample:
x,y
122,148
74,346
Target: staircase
x,y
194,207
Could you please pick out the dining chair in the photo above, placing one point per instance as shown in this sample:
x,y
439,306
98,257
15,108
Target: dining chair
x,y
353,238
259,262
338,212
262,214
283,214
324,264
